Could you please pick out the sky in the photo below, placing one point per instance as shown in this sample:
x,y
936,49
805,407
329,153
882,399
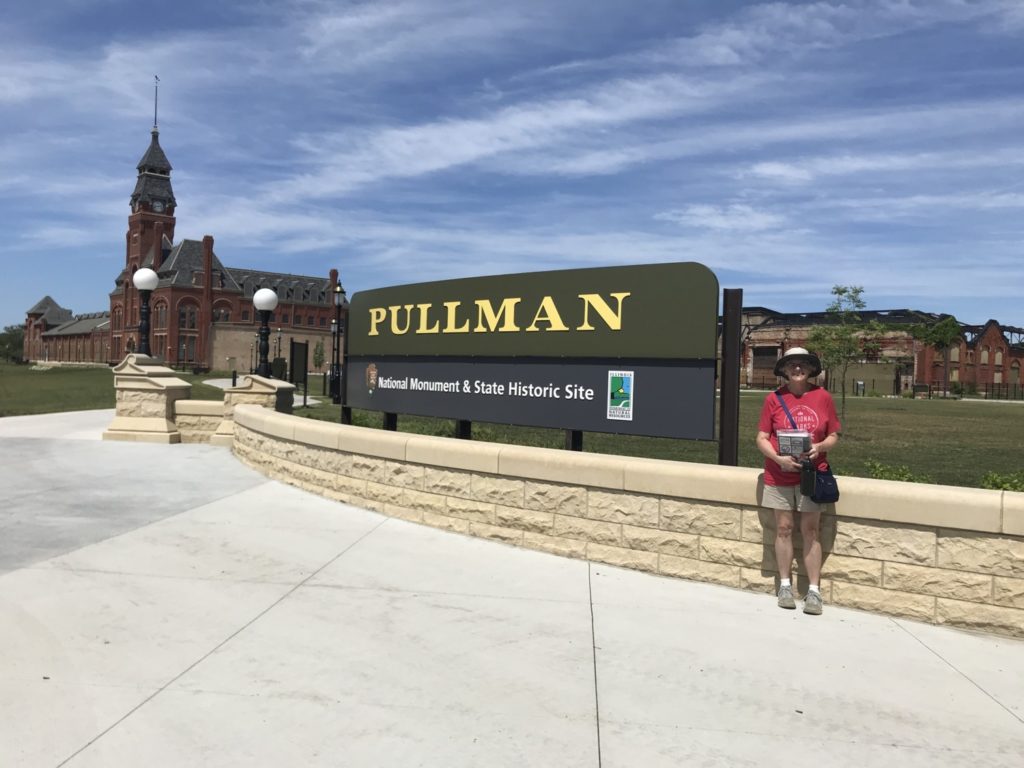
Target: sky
x,y
788,146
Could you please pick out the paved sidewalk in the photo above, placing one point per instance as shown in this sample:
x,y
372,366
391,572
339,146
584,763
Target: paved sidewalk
x,y
167,606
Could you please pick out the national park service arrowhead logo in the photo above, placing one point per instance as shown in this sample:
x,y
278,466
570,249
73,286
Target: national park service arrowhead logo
x,y
371,378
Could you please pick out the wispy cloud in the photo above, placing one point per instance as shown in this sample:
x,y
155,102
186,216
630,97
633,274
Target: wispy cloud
x,y
409,139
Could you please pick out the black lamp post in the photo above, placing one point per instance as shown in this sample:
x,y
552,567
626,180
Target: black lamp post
x,y
334,360
278,343
265,301
340,303
145,281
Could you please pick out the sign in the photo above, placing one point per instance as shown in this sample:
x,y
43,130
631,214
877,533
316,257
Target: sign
x,y
658,399
666,311
627,350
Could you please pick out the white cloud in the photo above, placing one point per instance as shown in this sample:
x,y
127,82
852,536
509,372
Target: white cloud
x,y
730,218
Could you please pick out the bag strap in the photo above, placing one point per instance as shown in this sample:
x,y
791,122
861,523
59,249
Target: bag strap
x,y
783,404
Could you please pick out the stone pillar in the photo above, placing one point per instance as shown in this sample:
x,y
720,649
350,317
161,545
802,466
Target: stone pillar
x,y
274,394
146,392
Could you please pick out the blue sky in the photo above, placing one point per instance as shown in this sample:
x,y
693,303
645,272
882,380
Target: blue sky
x,y
788,146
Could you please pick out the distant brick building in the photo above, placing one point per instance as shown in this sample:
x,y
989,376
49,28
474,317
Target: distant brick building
x,y
986,356
201,311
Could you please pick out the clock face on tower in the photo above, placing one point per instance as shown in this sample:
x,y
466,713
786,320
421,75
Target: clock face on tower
x,y
158,206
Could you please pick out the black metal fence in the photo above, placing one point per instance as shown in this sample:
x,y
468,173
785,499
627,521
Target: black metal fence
x,y
1013,391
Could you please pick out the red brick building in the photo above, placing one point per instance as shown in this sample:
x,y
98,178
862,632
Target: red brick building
x,y
986,357
201,311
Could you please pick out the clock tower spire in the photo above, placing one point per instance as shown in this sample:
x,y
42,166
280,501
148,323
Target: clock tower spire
x,y
151,221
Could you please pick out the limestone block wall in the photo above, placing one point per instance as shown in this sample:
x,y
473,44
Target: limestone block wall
x,y
198,420
933,553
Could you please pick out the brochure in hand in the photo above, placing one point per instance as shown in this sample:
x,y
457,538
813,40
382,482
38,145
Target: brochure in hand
x,y
793,442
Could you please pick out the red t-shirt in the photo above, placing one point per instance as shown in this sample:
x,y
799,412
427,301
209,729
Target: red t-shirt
x,y
814,411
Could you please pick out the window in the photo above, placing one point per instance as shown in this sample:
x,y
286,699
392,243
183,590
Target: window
x,y
187,315
160,316
311,319
970,356
245,314
323,322
298,319
284,318
999,357
1015,372
954,354
984,355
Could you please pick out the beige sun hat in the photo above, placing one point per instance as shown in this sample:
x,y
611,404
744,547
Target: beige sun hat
x,y
799,353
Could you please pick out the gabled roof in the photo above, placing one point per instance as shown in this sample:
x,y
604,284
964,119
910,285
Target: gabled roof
x,y
81,324
293,289
185,260
51,312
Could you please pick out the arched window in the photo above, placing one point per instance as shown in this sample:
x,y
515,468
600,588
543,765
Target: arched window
x,y
984,355
999,357
187,317
954,354
160,315
1015,372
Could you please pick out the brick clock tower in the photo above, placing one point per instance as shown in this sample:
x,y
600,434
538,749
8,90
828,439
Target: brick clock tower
x,y
149,239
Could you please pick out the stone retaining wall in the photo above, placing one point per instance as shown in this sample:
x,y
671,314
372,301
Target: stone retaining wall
x,y
198,420
933,553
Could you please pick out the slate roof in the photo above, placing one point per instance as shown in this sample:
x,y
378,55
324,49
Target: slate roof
x,y
186,260
154,160
294,289
81,324
154,182
52,312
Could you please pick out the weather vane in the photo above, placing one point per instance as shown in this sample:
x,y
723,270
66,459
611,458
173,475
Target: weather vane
x,y
156,94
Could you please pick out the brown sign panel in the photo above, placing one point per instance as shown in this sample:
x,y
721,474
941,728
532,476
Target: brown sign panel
x,y
650,311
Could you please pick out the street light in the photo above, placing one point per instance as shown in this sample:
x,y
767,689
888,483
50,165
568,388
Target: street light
x,y
340,303
278,343
265,301
145,281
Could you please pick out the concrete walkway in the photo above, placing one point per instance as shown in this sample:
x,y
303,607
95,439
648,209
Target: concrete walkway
x,y
167,606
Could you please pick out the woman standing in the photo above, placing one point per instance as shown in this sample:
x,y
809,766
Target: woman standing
x,y
813,410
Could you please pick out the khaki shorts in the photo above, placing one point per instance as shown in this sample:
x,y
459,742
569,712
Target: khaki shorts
x,y
789,497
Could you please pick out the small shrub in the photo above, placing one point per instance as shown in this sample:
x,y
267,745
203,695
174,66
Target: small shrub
x,y
1014,481
880,471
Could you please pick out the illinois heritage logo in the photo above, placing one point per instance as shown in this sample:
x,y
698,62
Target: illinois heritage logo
x,y
371,378
620,395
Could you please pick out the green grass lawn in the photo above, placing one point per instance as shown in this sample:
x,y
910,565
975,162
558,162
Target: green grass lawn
x,y
953,442
25,390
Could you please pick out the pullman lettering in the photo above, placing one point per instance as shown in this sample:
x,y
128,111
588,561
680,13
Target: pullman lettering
x,y
509,316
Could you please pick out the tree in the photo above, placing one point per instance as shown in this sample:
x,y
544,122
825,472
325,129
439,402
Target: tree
x,y
12,343
941,336
318,354
847,338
